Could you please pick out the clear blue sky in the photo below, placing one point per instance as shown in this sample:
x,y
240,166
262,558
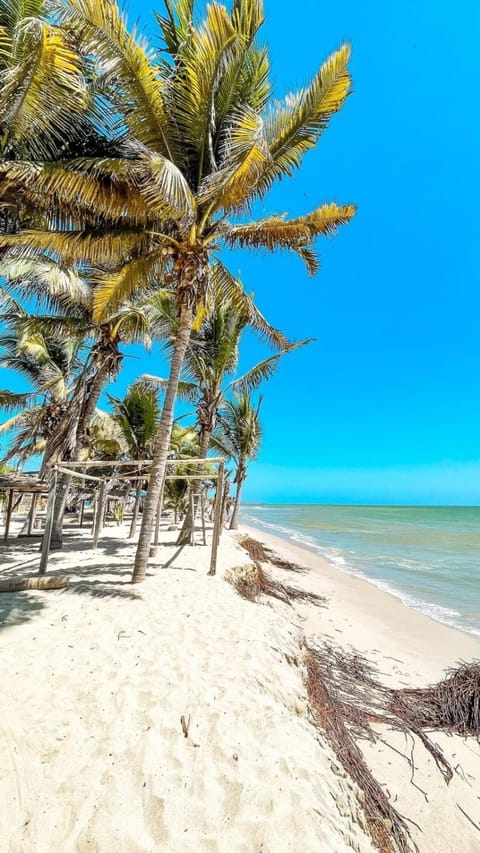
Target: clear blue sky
x,y
385,407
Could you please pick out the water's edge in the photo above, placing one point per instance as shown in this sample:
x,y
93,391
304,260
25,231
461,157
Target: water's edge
x,y
335,557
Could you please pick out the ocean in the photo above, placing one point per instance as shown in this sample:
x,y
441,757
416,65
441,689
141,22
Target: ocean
x,y
427,556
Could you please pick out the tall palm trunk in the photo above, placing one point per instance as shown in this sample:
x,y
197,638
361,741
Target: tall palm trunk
x,y
189,522
236,508
162,443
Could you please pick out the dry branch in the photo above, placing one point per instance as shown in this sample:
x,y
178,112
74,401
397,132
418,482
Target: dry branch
x,y
387,827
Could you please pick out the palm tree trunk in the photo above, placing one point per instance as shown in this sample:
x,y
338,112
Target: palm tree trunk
x,y
185,534
162,443
236,508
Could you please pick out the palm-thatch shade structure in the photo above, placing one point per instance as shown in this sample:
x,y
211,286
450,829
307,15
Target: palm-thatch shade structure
x,y
21,485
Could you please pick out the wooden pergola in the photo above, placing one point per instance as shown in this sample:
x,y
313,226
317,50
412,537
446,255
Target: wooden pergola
x,y
135,470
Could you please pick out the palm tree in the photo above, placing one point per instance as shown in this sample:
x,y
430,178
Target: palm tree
x,y
211,362
136,417
49,364
203,141
239,438
184,444
70,297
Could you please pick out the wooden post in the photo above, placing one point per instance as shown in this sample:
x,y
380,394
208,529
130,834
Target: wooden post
x,y
82,513
192,512
226,495
99,514
202,508
32,513
47,532
153,549
136,507
94,511
217,524
8,515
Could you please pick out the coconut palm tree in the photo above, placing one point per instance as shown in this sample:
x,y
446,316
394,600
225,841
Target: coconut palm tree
x,y
203,140
136,417
239,438
184,444
50,365
70,298
211,363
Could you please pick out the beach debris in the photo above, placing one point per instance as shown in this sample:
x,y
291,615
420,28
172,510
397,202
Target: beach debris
x,y
346,697
185,725
452,705
387,827
252,582
259,553
40,583
468,817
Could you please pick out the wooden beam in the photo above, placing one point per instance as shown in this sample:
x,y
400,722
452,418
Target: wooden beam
x,y
138,462
8,515
217,524
47,533
78,474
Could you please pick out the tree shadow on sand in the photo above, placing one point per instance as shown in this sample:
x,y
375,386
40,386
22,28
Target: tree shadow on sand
x,y
18,607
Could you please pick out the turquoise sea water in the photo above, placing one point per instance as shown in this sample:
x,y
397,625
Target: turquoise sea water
x,y
428,556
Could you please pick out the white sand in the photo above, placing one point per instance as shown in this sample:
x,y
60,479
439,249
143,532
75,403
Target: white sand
x,y
94,681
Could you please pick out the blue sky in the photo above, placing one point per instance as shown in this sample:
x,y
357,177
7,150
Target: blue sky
x,y
385,406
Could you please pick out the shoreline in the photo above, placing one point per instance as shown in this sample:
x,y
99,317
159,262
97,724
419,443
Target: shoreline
x,y
367,613
350,571
406,649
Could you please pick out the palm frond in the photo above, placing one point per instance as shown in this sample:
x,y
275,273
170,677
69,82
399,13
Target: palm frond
x,y
115,287
295,128
128,71
41,86
187,391
279,232
244,157
202,59
96,247
253,379
224,283
74,190
11,401
46,282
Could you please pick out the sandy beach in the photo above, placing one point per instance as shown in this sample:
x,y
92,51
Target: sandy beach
x,y
96,679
